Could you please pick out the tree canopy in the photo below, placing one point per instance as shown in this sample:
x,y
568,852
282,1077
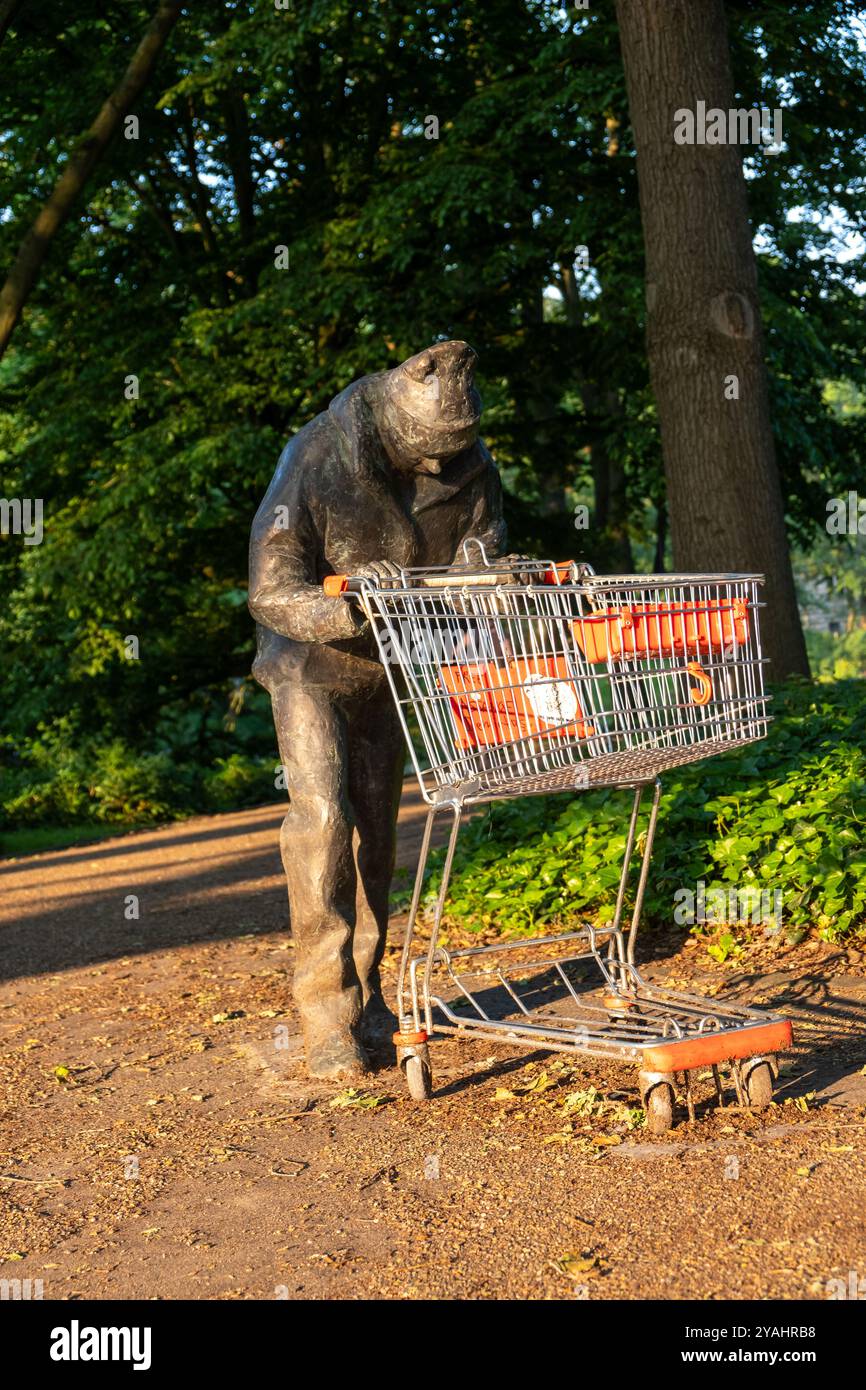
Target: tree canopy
x,y
316,192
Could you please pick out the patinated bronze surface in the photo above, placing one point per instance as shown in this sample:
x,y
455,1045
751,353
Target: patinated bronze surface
x,y
392,473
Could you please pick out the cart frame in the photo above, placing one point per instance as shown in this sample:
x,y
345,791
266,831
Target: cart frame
x,y
637,716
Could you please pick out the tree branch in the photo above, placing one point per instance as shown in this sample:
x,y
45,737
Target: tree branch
x,y
82,162
198,192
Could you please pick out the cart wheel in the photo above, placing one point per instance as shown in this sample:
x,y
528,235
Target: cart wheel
x,y
759,1086
659,1105
419,1077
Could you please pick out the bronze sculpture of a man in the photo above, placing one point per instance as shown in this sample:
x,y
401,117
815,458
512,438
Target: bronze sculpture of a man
x,y
393,473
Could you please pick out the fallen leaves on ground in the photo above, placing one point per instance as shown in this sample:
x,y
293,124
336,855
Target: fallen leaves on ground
x,y
582,1102
352,1099
585,1265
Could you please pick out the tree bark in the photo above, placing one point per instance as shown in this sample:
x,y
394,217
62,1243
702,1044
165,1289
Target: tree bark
x,y
703,318
82,162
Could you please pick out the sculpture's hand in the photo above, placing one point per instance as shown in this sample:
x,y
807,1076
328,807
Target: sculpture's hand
x,y
377,569
517,563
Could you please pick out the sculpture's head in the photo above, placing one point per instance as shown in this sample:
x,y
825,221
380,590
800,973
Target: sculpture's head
x,y
431,410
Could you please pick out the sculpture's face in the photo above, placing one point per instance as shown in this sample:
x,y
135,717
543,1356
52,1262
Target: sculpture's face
x,y
431,411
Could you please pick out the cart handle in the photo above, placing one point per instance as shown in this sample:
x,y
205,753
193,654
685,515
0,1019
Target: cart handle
x,y
702,693
336,585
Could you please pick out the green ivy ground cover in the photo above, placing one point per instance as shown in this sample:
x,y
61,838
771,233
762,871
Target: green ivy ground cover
x,y
787,815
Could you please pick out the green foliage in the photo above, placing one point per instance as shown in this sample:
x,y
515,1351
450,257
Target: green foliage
x,y
41,839
235,782
786,815
64,780
724,948
304,128
837,657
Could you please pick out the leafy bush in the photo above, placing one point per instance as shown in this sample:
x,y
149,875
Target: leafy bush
x,y
837,657
132,790
55,781
786,815
237,781
60,780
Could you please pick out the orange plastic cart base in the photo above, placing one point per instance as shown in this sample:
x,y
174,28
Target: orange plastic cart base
x,y
703,1051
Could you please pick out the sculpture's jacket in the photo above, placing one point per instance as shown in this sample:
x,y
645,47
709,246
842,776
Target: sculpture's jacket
x,y
336,503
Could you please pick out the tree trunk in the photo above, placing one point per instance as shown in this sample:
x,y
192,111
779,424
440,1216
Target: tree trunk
x,y
703,319
240,161
82,162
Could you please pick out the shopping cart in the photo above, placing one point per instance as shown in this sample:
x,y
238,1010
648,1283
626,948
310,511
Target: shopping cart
x,y
522,679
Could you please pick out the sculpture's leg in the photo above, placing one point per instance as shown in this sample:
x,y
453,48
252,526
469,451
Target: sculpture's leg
x,y
376,757
316,846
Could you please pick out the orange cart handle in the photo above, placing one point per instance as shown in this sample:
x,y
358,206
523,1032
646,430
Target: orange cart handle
x,y
702,693
336,585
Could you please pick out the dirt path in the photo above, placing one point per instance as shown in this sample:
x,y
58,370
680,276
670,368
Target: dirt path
x,y
159,1137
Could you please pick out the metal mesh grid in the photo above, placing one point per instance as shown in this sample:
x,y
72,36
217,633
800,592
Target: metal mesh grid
x,y
510,688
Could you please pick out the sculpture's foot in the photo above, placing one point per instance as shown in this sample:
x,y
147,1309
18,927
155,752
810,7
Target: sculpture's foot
x,y
337,1057
378,1023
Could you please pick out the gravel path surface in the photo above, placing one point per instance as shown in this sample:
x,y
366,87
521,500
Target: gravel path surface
x,y
159,1138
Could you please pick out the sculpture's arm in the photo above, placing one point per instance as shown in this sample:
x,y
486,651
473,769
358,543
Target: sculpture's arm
x,y
285,593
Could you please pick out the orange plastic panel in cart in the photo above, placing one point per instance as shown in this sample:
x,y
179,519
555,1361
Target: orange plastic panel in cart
x,y
498,703
662,629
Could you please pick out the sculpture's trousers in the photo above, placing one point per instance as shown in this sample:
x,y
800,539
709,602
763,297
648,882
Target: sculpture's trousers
x,y
343,757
